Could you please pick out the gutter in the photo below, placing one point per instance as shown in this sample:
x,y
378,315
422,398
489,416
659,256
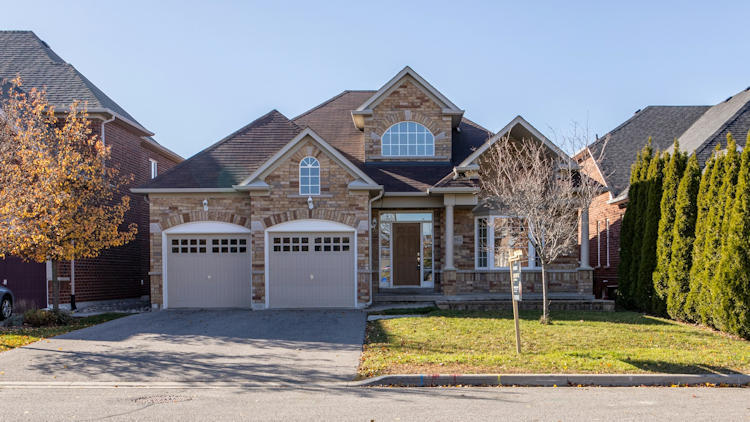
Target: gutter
x,y
369,237
161,149
454,190
104,122
182,190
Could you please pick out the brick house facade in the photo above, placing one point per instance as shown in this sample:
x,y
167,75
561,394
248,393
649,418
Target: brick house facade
x,y
116,273
697,128
364,193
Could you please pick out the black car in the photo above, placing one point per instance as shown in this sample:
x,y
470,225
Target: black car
x,y
6,303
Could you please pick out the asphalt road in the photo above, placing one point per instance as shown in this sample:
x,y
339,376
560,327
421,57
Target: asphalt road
x,y
310,403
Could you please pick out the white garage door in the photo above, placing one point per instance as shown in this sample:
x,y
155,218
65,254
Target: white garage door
x,y
208,271
311,270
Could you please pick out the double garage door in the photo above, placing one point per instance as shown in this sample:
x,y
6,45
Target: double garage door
x,y
305,270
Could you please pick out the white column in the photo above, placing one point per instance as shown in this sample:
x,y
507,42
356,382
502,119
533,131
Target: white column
x,y
585,238
449,237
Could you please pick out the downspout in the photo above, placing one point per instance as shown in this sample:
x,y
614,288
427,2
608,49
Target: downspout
x,y
369,237
111,119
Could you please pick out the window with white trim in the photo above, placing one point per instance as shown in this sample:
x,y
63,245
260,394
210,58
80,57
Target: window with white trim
x,y
407,139
497,238
606,223
598,245
309,176
154,167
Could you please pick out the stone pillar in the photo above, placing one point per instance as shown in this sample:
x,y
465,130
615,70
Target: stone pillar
x,y
448,238
585,238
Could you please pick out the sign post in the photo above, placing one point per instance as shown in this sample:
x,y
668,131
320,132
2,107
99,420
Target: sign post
x,y
516,290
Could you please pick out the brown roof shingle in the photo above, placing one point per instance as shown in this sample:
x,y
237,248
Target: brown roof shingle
x,y
234,158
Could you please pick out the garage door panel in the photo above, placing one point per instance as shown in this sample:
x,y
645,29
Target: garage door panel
x,y
311,270
211,271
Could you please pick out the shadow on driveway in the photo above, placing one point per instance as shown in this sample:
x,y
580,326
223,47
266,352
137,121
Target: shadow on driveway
x,y
277,347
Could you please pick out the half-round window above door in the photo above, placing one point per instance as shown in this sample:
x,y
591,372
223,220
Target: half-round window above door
x,y
407,139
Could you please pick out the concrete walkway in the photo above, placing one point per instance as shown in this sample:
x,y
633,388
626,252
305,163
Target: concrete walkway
x,y
258,348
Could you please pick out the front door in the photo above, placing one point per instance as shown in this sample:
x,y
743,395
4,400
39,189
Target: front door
x,y
406,251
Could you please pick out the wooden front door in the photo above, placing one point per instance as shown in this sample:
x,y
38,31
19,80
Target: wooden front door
x,y
406,239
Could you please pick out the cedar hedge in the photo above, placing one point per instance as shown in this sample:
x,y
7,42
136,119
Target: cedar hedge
x,y
685,238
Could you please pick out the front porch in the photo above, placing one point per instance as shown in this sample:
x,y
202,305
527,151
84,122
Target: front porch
x,y
427,251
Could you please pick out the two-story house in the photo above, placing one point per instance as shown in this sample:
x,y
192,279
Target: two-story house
x,y
368,191
118,273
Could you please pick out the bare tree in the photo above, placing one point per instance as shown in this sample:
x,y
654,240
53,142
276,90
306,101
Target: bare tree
x,y
542,185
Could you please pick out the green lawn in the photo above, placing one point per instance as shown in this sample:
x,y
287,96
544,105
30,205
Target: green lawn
x,y
577,342
12,337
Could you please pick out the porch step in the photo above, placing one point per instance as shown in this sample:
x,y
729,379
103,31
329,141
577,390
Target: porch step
x,y
407,295
402,298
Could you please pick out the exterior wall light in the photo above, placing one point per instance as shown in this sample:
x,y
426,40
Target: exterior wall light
x,y
205,205
309,202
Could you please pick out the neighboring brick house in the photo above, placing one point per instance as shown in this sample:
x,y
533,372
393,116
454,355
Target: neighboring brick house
x,y
368,191
697,128
119,272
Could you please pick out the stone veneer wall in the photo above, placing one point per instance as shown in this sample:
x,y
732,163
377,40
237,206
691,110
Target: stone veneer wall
x,y
335,203
169,210
564,276
407,103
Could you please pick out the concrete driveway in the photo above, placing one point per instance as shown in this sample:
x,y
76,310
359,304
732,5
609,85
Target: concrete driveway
x,y
277,347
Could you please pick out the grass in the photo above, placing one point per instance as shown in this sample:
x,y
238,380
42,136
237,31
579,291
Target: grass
x,y
12,337
576,342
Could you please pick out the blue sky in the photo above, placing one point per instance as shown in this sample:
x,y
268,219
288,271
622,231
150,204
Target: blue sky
x,y
193,72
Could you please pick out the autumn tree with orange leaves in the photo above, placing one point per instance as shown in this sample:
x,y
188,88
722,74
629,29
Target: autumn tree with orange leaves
x,y
58,198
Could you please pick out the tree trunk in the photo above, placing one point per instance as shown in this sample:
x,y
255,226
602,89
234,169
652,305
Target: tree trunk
x,y
55,287
545,303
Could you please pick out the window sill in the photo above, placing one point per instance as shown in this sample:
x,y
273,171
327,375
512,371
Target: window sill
x,y
499,269
322,195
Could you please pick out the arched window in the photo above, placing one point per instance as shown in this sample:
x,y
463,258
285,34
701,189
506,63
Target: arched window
x,y
309,176
407,139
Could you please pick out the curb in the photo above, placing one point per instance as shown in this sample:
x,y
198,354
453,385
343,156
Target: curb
x,y
554,380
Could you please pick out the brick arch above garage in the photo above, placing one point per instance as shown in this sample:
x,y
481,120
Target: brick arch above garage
x,y
172,210
328,214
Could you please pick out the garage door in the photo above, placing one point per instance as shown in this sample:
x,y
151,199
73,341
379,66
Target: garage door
x,y
208,271
311,270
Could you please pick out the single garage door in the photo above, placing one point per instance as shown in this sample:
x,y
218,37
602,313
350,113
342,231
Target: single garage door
x,y
208,271
311,270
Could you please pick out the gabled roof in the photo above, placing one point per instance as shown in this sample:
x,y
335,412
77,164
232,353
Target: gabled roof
x,y
714,121
235,158
663,124
331,120
23,54
231,160
520,128
406,73
274,160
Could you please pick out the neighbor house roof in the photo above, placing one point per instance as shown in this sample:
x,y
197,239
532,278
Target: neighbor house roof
x,y
730,115
663,124
23,54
